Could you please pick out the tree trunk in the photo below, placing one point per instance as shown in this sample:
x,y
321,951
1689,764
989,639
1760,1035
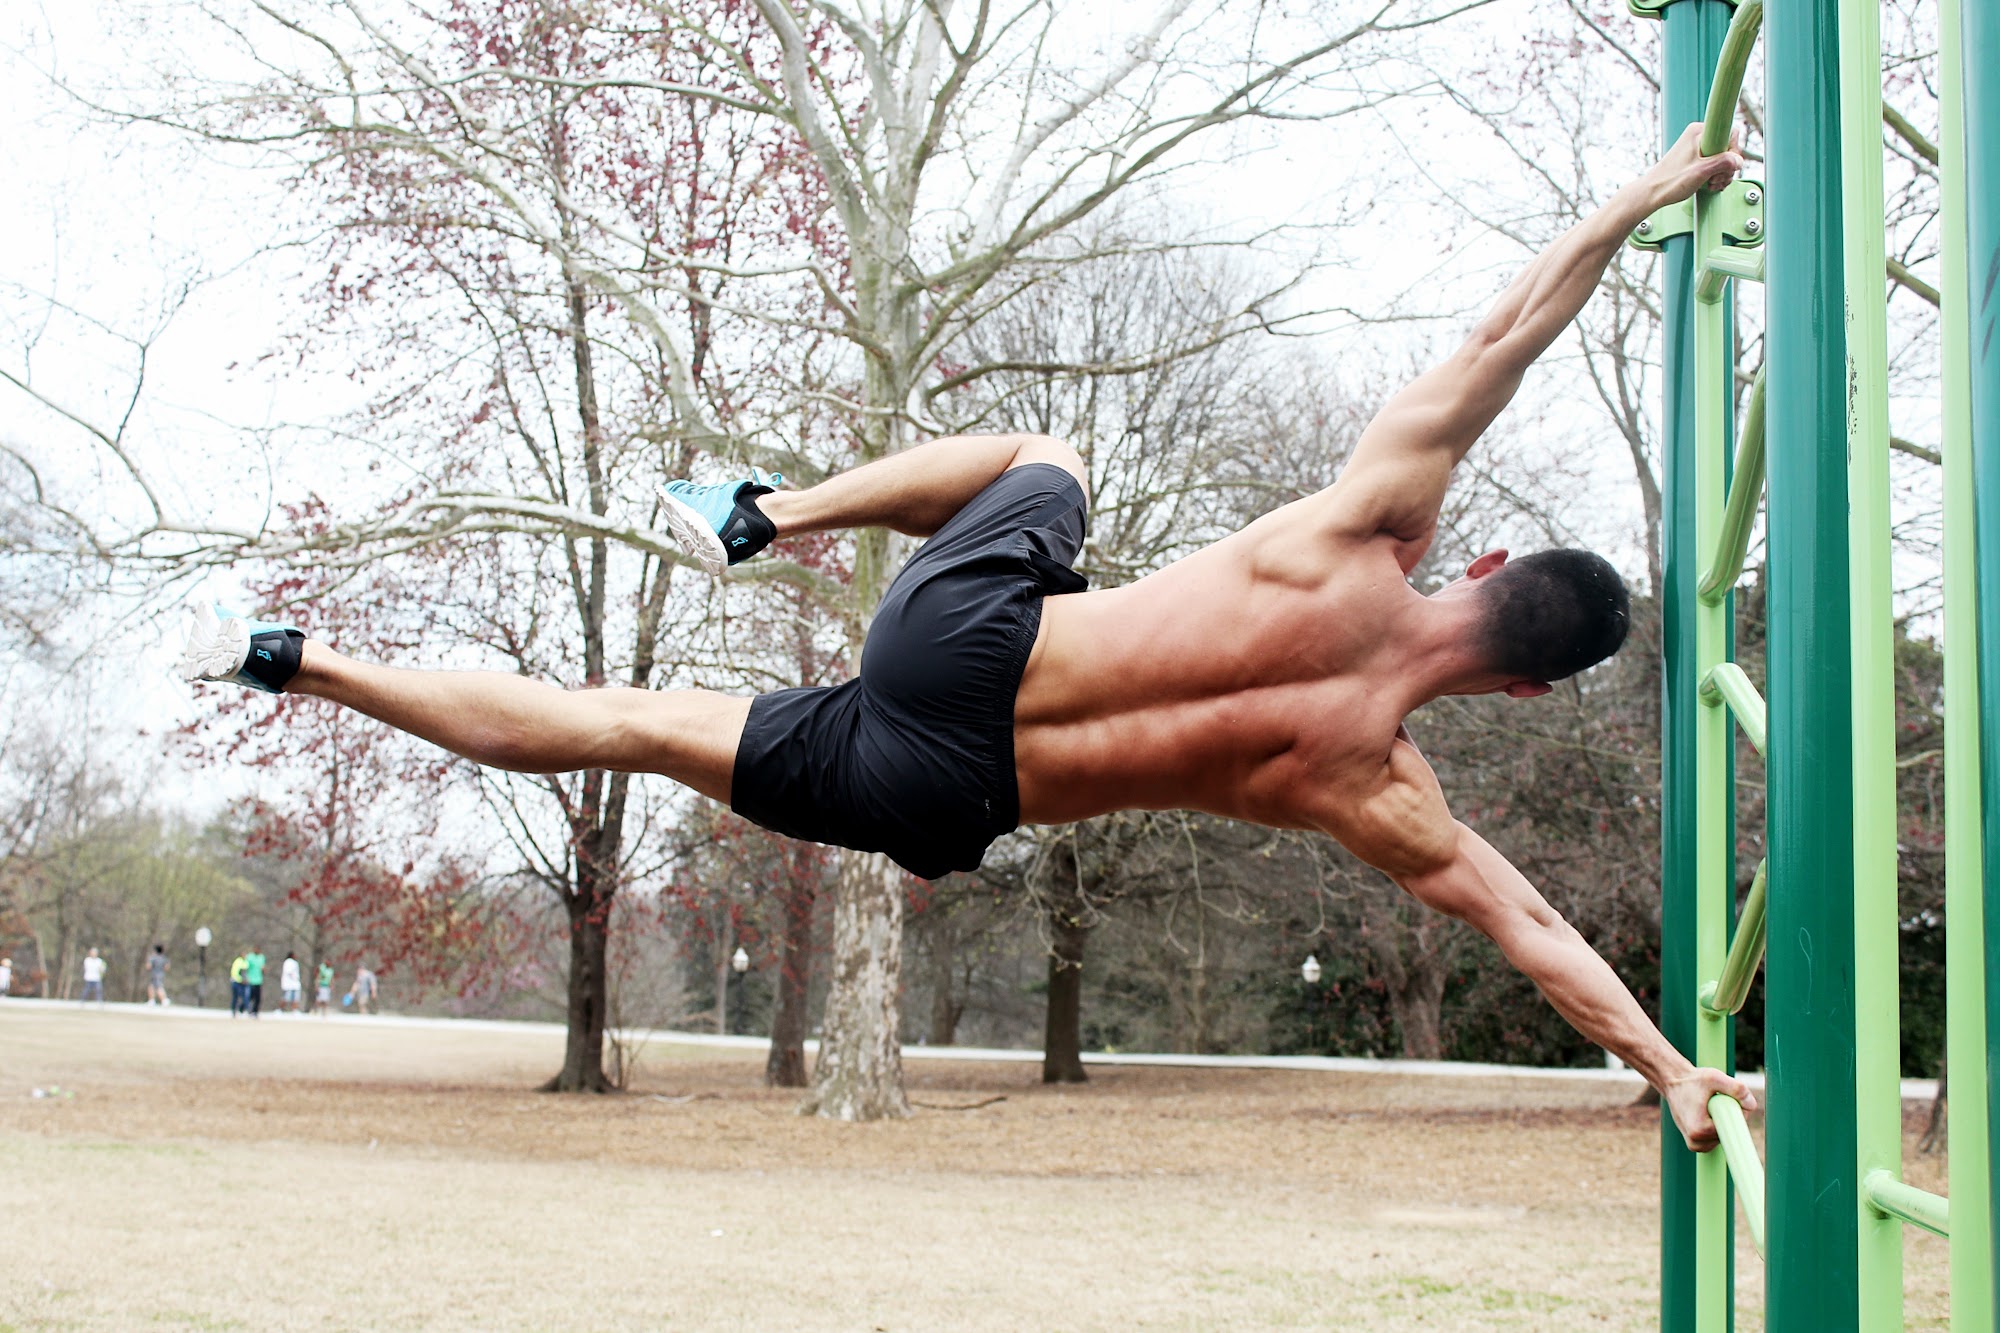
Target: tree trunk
x,y
946,1006
722,950
1062,1040
589,991
859,1074
785,1066
1419,1003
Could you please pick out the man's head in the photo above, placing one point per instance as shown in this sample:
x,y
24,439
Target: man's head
x,y
1547,616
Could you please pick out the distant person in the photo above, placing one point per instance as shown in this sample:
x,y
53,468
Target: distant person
x,y
323,991
156,976
6,977
253,983
93,977
362,993
239,1001
289,983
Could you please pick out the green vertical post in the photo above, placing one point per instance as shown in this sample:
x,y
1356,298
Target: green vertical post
x,y
1878,1106
1979,38
1814,1199
1696,1225
1964,911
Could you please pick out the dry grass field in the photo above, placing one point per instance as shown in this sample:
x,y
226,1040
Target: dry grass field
x,y
300,1174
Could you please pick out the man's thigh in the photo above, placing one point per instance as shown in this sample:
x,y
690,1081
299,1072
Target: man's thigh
x,y
690,736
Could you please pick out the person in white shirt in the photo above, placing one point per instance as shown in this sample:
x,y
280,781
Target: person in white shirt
x,y
93,977
362,993
289,983
6,977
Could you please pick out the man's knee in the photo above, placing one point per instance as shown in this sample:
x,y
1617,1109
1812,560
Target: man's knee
x,y
1048,449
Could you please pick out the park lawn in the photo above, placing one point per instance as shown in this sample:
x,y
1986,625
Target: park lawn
x,y
300,1174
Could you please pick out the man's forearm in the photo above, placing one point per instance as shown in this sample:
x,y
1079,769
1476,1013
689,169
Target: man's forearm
x,y
1548,950
1581,987
1535,309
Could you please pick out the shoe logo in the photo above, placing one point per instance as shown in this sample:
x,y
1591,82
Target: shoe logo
x,y
265,653
740,541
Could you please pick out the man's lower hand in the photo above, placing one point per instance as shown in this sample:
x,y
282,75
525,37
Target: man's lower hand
x,y
1687,1097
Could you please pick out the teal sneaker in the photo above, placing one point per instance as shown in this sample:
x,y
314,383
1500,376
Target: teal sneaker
x,y
720,525
224,646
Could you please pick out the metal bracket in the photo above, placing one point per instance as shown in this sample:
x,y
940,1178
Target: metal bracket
x,y
1663,224
1740,209
1650,9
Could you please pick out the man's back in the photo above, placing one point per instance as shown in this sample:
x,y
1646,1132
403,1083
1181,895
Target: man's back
x,y
1242,680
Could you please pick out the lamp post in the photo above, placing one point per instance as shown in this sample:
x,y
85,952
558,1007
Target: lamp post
x,y
202,936
1309,970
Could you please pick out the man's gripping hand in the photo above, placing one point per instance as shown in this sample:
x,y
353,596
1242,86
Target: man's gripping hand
x,y
1685,169
1687,1097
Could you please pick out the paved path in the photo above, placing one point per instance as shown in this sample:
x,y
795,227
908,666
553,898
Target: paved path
x,y
1921,1089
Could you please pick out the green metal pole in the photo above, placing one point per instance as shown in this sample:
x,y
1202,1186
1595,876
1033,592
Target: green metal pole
x,y
1964,910
1979,40
1696,1225
1811,1139
1878,1106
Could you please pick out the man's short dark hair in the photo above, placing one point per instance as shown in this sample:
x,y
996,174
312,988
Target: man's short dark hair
x,y
1553,614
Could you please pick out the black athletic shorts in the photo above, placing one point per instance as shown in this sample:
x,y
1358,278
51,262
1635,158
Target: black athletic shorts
x,y
915,756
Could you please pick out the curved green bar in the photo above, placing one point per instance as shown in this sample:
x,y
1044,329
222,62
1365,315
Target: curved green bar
x,y
1728,84
1726,262
1726,994
1892,1198
1727,684
1746,489
1744,1166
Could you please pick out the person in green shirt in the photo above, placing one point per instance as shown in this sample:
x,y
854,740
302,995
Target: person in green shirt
x,y
238,1003
323,990
253,982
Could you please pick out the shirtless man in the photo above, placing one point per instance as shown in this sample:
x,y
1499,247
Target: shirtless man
x,y
1265,678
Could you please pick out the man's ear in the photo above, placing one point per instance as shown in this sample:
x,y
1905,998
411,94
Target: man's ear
x,y
1485,564
1528,689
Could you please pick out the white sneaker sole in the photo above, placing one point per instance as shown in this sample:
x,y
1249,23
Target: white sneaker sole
x,y
686,525
216,648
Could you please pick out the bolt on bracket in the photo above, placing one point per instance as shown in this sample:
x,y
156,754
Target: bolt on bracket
x,y
1740,210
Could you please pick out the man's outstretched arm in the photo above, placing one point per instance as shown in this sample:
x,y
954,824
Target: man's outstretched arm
x,y
1396,480
1482,888
1403,828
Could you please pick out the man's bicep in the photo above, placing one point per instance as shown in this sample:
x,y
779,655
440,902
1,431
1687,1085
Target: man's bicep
x,y
1404,459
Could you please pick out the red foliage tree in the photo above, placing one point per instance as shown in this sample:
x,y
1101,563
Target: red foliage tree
x,y
537,239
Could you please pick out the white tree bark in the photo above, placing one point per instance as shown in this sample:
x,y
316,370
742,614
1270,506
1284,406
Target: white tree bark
x,y
859,1074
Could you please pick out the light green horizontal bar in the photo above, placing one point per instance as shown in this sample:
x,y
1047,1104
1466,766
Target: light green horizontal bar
x,y
1725,995
1725,262
1740,514
1892,1198
1727,684
1746,1169
1727,86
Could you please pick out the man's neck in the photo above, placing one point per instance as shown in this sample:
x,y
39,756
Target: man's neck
x,y
1436,653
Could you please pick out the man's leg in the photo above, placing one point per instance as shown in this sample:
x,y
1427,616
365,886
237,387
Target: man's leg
x,y
508,721
916,491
